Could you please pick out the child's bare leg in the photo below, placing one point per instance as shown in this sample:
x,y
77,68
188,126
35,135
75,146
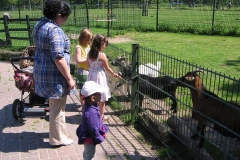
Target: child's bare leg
x,y
82,103
102,110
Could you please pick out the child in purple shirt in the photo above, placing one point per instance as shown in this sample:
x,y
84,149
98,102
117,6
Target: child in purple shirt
x,y
92,131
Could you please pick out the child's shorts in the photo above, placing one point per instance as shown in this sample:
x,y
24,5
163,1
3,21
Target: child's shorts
x,y
80,80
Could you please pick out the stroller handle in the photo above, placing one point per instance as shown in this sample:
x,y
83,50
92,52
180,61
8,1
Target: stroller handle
x,y
16,59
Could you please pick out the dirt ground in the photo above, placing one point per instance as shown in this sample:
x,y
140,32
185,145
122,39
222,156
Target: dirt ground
x,y
119,39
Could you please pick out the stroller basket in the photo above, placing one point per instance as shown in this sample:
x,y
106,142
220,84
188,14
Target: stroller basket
x,y
23,77
24,81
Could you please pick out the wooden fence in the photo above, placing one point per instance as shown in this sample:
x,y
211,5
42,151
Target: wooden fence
x,y
7,30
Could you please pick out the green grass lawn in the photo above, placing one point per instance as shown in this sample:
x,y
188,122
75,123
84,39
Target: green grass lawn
x,y
219,53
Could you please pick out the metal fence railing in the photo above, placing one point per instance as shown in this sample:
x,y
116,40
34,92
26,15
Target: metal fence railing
x,y
214,107
202,18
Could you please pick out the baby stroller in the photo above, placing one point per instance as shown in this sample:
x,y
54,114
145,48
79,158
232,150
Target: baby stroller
x,y
24,81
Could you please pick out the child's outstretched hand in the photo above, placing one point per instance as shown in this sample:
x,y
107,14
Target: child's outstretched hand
x,y
116,75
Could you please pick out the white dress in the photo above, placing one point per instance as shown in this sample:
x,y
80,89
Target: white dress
x,y
98,75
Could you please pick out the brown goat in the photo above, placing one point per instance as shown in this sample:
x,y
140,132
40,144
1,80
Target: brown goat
x,y
209,107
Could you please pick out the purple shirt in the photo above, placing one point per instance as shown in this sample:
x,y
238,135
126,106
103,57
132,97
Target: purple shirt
x,y
92,125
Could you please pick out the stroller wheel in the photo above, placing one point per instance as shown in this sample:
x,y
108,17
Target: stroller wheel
x,y
16,109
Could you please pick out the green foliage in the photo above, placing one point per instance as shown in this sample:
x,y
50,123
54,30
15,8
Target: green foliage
x,y
163,152
9,4
125,118
129,28
13,48
138,28
207,31
165,27
233,32
218,29
145,28
5,57
114,104
119,32
215,152
12,2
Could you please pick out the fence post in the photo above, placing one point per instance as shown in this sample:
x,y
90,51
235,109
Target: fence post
x,y
74,15
19,13
29,31
88,25
145,8
213,14
8,41
157,17
135,55
108,17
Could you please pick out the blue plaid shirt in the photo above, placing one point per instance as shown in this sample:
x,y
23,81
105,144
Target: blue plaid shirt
x,y
51,43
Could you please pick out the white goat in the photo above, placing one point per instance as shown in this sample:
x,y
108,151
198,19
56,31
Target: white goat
x,y
150,69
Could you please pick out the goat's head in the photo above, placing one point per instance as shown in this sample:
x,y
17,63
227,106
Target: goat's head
x,y
190,79
126,71
120,61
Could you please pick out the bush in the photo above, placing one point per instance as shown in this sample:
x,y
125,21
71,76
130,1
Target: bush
x,y
193,29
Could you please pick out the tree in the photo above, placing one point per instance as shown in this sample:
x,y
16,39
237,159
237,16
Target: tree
x,y
11,4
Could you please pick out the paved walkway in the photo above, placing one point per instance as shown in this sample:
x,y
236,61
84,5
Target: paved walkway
x,y
27,139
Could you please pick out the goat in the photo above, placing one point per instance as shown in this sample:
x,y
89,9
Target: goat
x,y
157,88
150,83
149,69
146,69
207,104
118,60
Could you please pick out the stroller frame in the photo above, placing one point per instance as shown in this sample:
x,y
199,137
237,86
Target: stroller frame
x,y
26,104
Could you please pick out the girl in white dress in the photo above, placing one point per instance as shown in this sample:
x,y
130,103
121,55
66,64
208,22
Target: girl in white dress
x,y
98,64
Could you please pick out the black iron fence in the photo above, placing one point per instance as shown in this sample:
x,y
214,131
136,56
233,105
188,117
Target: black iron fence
x,y
189,108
